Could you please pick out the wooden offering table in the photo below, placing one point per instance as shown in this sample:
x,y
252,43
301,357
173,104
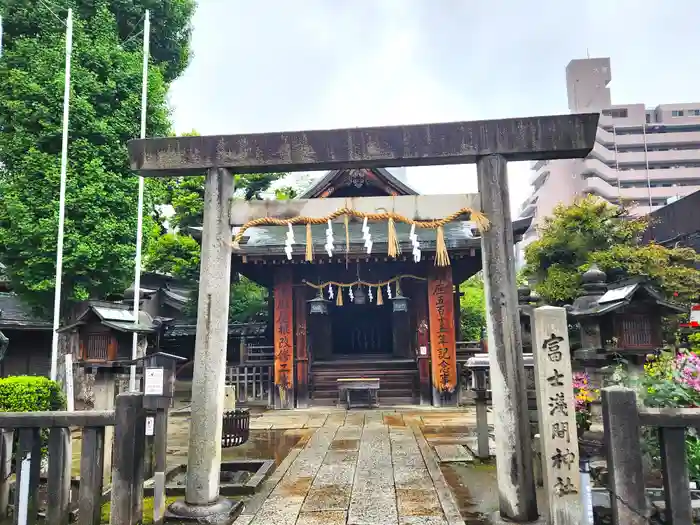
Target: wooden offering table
x,y
369,385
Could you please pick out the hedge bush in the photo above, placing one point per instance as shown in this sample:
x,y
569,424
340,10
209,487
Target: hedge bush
x,y
30,394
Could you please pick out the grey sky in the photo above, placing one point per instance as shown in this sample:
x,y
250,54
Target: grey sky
x,y
273,65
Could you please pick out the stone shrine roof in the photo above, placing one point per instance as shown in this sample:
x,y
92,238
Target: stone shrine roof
x,y
618,295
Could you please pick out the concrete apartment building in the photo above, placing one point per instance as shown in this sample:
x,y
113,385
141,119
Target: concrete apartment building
x,y
643,157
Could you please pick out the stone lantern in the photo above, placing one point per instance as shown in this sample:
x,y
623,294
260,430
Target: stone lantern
x,y
318,305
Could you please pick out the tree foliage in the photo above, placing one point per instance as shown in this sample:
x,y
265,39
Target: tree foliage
x,y
177,253
170,25
594,231
101,192
472,308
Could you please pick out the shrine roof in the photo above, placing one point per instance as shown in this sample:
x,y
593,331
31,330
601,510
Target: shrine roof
x,y
332,177
118,316
16,314
270,240
621,294
248,329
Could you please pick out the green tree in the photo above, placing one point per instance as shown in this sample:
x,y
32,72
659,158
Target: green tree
x,y
105,112
177,253
170,25
472,308
594,231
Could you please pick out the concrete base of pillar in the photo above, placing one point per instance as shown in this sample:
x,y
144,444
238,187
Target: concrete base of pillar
x,y
222,512
496,519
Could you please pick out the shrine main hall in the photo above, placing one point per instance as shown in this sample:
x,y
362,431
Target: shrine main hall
x,y
365,295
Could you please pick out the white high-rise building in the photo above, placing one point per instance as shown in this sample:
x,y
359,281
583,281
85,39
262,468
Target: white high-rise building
x,y
643,157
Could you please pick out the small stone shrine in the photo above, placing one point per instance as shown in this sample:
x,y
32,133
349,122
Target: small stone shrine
x,y
623,319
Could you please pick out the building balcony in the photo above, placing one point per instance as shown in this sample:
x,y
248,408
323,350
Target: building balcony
x,y
538,177
528,207
654,138
642,194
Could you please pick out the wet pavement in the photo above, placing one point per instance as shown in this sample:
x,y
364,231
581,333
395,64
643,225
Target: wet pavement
x,y
360,467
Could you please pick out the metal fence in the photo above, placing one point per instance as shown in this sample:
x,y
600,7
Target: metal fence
x,y
126,496
622,420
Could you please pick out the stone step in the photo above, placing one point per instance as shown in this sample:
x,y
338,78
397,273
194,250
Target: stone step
x,y
383,401
405,392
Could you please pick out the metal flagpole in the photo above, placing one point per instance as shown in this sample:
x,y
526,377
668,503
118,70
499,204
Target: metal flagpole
x,y
0,36
139,220
62,199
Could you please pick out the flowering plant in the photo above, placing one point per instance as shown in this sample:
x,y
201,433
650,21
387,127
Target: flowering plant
x,y
672,380
584,395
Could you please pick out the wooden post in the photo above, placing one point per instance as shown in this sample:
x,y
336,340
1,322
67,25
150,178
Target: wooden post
x,y
5,470
284,339
423,340
557,415
401,334
59,483
675,470
92,456
27,470
161,454
127,468
458,314
621,424
105,389
443,349
302,355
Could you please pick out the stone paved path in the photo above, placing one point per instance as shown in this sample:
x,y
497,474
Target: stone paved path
x,y
359,468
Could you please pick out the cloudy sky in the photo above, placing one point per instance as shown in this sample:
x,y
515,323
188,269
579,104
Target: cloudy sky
x,y
275,65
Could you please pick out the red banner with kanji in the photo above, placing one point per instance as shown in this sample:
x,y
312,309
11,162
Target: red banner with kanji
x,y
284,332
443,348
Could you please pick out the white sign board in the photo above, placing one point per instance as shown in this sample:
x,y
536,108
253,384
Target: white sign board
x,y
23,499
423,350
150,425
153,382
555,402
70,399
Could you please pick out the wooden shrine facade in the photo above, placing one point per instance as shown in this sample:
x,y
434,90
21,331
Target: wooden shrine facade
x,y
351,313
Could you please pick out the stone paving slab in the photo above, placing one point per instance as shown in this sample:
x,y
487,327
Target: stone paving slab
x,y
332,486
284,503
453,453
316,420
322,518
415,493
362,467
447,499
373,499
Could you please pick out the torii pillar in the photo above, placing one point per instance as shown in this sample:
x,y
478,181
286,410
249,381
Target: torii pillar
x,y
489,143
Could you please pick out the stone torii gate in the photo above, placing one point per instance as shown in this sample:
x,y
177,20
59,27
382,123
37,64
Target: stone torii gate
x,y
489,143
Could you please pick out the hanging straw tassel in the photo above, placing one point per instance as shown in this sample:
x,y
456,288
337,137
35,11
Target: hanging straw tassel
x,y
339,299
347,239
309,243
482,223
393,241
442,258
380,299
